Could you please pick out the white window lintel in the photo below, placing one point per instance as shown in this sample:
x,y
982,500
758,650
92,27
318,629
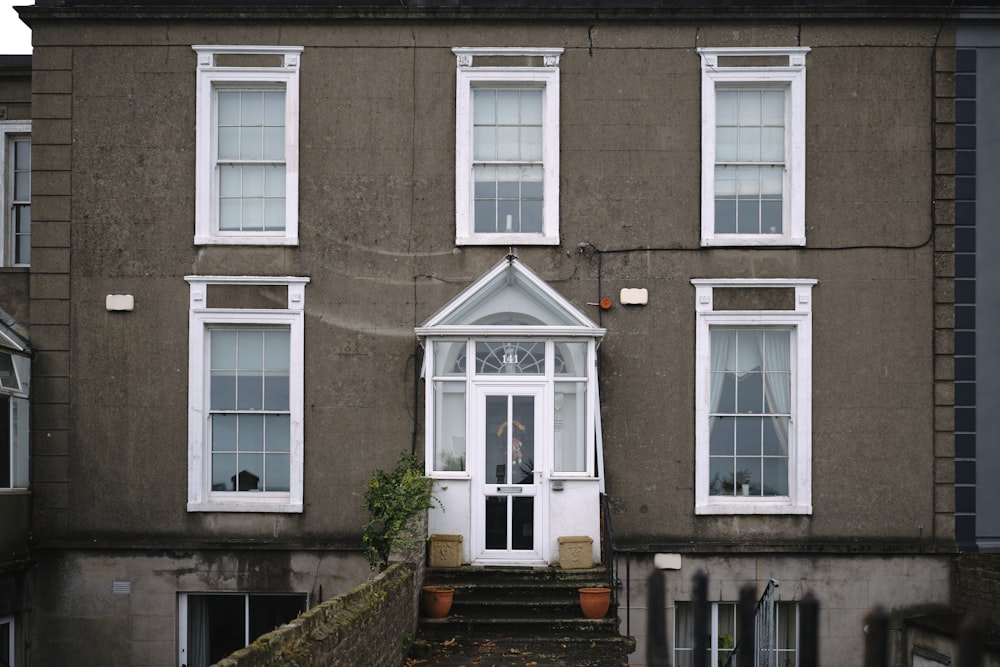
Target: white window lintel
x,y
799,500
200,496
791,76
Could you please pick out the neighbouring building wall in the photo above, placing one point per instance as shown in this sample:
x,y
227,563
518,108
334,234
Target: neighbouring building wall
x,y
977,309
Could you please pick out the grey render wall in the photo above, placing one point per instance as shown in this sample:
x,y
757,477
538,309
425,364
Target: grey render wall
x,y
377,227
113,130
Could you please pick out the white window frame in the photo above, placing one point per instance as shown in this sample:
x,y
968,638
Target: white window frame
x,y
546,78
471,381
182,615
791,77
10,130
210,78
799,322
11,657
201,498
713,627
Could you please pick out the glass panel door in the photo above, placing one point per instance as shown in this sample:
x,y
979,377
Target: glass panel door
x,y
510,472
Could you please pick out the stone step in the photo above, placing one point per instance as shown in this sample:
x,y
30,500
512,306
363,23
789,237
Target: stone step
x,y
511,652
507,613
486,627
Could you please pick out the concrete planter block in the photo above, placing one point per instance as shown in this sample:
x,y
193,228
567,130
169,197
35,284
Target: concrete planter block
x,y
576,552
445,550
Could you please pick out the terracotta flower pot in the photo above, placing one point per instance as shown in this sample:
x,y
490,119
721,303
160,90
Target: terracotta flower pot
x,y
436,600
595,602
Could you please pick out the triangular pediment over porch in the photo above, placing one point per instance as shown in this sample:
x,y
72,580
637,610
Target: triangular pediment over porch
x,y
510,296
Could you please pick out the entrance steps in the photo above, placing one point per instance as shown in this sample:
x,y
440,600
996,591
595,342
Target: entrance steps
x,y
516,615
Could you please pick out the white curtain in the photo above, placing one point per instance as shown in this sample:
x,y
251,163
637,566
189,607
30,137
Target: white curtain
x,y
197,631
777,355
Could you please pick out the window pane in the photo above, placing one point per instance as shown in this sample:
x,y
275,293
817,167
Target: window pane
x,y
750,128
486,216
250,349
508,216
276,350
251,143
223,391
276,390
748,216
484,106
508,182
570,427
721,476
531,217
772,144
253,214
229,214
723,393
22,185
484,143
771,181
223,472
251,472
725,107
229,143
725,144
507,107
531,107
776,436
748,476
274,214
773,108
775,482
277,433
449,426
531,143
253,181
230,180
274,143
748,435
276,472
219,622
750,393
571,359
485,182
251,108
274,108
22,234
725,216
267,612
749,107
722,436
229,108
449,357
251,433
770,217
508,143
749,144
224,433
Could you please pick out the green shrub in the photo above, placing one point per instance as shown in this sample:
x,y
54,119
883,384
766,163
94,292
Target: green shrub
x,y
391,498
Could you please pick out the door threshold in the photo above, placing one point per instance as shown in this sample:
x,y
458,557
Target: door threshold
x,y
534,564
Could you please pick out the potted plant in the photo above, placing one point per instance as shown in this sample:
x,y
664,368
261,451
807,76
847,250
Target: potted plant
x,y
436,600
595,601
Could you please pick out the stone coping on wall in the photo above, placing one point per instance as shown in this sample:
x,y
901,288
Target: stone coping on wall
x,y
318,635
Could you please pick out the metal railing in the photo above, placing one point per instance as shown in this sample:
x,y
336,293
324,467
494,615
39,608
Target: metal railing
x,y
764,630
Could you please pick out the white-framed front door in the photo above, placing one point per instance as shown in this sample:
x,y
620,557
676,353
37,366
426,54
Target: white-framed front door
x,y
509,457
